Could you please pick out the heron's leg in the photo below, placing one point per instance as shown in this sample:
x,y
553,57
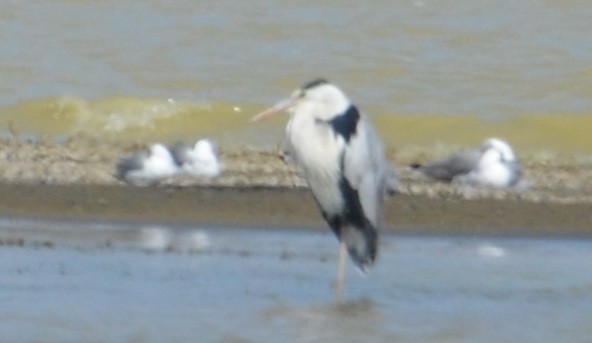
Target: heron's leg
x,y
340,271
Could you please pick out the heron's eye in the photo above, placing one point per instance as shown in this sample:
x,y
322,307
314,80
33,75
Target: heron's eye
x,y
299,93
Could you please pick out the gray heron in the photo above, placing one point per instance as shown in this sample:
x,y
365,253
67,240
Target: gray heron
x,y
344,163
492,164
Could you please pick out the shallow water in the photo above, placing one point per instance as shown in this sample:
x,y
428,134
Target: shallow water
x,y
248,285
150,70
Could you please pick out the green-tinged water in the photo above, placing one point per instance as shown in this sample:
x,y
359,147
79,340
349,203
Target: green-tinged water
x,y
124,118
147,120
428,72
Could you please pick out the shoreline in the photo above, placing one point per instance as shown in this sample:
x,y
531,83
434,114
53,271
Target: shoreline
x,y
280,208
74,180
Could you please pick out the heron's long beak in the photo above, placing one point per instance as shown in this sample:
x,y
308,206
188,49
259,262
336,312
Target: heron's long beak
x,y
276,109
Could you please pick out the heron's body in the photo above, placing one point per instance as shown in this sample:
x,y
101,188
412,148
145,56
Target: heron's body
x,y
343,162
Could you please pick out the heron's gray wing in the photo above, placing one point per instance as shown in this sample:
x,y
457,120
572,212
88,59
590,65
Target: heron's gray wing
x,y
368,172
180,153
367,176
134,162
457,164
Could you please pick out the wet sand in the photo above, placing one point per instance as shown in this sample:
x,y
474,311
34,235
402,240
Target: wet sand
x,y
74,180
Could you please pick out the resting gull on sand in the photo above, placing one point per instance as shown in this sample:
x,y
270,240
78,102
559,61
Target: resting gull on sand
x,y
492,164
201,160
147,166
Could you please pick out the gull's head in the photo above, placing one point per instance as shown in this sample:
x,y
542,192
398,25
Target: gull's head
x,y
203,160
159,151
490,157
502,148
318,97
204,149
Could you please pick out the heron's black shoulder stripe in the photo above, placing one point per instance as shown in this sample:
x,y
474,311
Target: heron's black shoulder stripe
x,y
345,124
314,83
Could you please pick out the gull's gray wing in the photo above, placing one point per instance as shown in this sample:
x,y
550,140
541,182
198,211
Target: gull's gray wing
x,y
180,153
457,164
516,170
130,163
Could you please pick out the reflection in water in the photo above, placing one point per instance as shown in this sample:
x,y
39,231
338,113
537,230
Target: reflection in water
x,y
333,322
97,235
154,238
160,239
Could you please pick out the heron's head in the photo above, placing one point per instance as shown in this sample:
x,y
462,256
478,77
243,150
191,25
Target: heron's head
x,y
318,97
